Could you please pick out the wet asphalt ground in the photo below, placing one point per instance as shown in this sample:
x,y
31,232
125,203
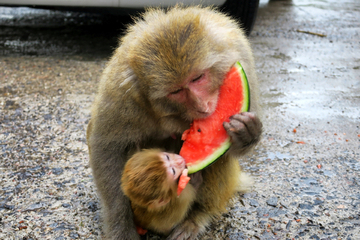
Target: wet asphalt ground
x,y
306,168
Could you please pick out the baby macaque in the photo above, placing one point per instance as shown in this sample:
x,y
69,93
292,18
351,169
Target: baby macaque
x,y
150,180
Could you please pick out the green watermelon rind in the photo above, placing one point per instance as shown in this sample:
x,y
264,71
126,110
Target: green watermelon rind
x,y
246,88
224,146
211,159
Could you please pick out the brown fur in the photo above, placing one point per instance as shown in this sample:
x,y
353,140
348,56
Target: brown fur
x,y
131,110
144,181
164,219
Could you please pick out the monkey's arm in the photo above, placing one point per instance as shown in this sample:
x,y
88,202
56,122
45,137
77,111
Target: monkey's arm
x,y
107,164
245,130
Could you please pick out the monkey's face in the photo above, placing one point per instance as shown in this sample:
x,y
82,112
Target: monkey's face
x,y
198,94
180,64
174,164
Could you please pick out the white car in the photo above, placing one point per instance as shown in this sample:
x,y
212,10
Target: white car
x,y
243,10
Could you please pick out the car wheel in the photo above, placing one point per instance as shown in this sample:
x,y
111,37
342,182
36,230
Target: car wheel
x,y
244,11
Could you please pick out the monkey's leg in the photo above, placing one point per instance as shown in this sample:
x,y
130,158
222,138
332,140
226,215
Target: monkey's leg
x,y
107,167
194,225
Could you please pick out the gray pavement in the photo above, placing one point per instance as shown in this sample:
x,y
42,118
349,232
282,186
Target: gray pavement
x,y
306,168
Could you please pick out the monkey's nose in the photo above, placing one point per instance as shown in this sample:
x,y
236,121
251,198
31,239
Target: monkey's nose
x,y
180,161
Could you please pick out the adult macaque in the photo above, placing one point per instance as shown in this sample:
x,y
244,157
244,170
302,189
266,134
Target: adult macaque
x,y
150,180
166,72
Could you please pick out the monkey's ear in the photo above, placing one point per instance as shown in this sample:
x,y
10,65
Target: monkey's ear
x,y
157,203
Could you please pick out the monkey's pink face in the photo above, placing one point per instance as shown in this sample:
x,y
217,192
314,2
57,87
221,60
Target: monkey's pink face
x,y
197,93
175,165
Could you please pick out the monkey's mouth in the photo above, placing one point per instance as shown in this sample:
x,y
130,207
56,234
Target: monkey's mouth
x,y
201,115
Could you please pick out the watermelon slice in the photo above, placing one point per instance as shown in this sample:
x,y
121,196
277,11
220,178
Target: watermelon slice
x,y
207,139
183,181
140,230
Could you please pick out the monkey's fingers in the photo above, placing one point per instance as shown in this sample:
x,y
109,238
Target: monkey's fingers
x,y
236,129
236,125
239,137
250,120
245,125
245,131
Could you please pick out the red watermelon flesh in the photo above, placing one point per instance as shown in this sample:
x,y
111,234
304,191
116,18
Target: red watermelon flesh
x,y
183,181
207,139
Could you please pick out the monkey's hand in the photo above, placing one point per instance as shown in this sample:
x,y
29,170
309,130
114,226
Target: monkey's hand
x,y
187,230
245,130
196,180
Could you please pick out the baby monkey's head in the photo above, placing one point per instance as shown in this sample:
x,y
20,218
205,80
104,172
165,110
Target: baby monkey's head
x,y
151,176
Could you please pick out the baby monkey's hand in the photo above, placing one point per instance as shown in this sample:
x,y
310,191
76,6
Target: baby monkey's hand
x,y
196,180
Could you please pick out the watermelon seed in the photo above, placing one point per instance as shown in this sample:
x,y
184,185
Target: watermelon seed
x,y
199,130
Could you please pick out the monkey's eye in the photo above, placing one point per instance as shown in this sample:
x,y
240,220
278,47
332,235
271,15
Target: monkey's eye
x,y
197,78
176,91
173,171
167,157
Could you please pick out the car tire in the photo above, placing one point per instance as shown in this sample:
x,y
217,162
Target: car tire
x,y
244,11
